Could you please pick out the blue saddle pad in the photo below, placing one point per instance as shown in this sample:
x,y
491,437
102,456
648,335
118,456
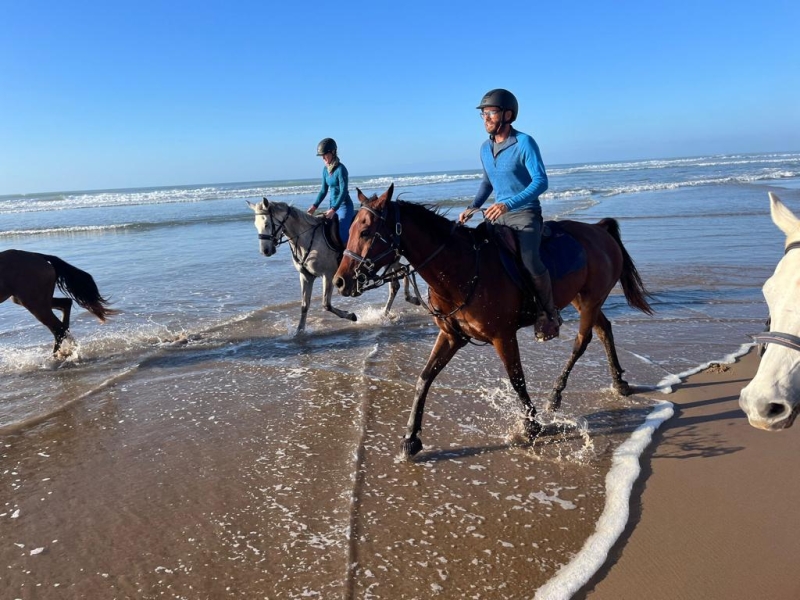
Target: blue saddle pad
x,y
560,252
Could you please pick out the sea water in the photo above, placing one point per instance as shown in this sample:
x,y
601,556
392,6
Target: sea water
x,y
196,423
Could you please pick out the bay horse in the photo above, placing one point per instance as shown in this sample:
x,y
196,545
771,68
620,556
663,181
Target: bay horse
x,y
30,279
771,400
315,253
472,296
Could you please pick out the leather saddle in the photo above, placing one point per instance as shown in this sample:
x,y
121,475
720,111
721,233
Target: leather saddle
x,y
330,229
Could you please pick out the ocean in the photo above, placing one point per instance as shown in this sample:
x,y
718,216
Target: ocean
x,y
192,447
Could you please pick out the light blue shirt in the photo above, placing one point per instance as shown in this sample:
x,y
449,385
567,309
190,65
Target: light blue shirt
x,y
516,173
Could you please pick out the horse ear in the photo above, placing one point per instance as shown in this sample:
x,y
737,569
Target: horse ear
x,y
784,218
386,197
252,206
264,203
361,197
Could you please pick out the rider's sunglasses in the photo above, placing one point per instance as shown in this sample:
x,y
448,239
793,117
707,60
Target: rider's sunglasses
x,y
488,113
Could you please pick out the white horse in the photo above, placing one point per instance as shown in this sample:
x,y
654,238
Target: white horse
x,y
316,251
772,399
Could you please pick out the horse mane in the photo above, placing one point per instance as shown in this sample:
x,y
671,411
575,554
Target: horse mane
x,y
427,212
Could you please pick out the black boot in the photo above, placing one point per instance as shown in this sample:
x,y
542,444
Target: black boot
x,y
549,320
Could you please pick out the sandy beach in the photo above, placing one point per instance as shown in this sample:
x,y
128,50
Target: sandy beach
x,y
714,513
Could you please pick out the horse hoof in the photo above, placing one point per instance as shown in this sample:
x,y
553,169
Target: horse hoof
x,y
532,428
352,317
411,446
623,389
414,301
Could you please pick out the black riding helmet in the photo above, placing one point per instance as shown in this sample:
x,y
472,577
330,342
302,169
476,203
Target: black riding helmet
x,y
503,99
325,146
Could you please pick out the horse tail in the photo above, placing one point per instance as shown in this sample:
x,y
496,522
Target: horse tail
x,y
80,286
635,292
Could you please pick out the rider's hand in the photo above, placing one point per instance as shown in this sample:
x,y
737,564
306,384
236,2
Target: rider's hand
x,y
466,215
311,210
329,213
495,210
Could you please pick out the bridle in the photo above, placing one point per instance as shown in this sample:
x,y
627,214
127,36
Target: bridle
x,y
365,266
775,337
279,236
276,233
364,273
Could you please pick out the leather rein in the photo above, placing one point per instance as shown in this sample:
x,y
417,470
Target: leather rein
x,y
775,337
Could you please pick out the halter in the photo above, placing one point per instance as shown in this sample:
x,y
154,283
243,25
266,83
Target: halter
x,y
774,337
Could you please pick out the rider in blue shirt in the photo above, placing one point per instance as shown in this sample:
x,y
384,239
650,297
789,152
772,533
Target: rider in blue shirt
x,y
514,171
335,179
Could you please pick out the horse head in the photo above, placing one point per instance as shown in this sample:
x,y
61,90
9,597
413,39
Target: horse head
x,y
772,399
369,247
270,218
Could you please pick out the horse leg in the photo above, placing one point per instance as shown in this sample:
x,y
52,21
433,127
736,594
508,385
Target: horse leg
x,y
327,292
306,288
411,299
443,350
507,349
588,316
603,329
44,314
394,287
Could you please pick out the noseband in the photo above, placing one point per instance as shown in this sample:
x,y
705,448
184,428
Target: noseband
x,y
774,337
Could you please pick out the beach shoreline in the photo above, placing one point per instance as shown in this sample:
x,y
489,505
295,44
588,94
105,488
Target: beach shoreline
x,y
713,514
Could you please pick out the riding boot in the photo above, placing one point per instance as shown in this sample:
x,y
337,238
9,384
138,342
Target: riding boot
x,y
549,319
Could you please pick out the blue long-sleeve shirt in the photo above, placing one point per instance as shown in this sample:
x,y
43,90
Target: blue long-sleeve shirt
x,y
336,182
516,175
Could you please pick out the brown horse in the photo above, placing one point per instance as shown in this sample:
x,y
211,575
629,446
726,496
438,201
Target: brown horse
x,y
29,279
472,297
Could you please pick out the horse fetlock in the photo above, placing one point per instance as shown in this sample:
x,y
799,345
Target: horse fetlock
x,y
622,387
553,401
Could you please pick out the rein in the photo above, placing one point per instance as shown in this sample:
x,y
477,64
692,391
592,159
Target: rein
x,y
786,340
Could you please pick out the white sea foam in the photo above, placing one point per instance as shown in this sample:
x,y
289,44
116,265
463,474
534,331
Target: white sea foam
x,y
619,483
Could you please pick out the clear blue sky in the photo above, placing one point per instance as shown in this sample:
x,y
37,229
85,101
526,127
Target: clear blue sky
x,y
111,94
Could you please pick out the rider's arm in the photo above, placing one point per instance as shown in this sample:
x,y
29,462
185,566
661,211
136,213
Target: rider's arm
x,y
483,193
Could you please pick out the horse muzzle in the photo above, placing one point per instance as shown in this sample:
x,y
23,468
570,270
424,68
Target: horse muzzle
x,y
768,413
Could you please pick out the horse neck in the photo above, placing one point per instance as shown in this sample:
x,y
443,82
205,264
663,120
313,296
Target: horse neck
x,y
298,226
425,233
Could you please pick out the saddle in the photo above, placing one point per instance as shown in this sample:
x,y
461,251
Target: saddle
x,y
561,253
330,229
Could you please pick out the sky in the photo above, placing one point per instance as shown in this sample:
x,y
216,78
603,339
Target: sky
x,y
104,95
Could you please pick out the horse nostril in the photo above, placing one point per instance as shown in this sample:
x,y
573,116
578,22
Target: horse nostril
x,y
338,282
775,409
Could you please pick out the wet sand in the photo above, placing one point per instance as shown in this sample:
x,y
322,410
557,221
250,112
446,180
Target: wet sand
x,y
270,469
715,513
263,468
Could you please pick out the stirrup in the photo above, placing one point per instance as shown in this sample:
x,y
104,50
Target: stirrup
x,y
547,327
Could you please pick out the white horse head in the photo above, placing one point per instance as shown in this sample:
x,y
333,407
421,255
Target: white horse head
x,y
772,399
270,220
